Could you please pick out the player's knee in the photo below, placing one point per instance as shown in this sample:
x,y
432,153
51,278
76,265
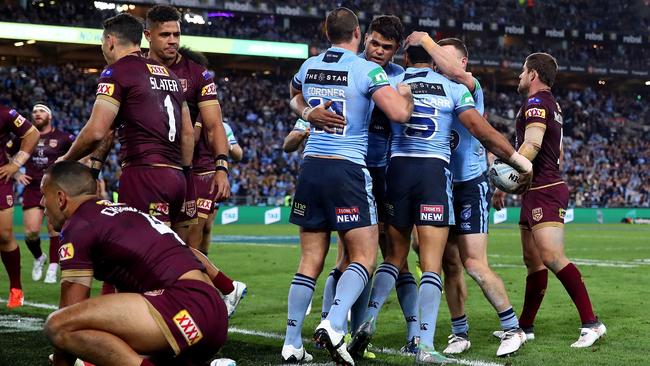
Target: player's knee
x,y
478,270
452,269
5,236
31,235
55,329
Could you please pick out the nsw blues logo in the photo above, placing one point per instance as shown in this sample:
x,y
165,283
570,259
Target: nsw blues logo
x,y
466,213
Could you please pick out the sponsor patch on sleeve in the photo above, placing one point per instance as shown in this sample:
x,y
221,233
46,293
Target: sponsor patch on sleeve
x,y
106,73
378,76
188,327
535,113
66,251
534,100
13,113
106,89
19,121
209,89
158,70
466,99
207,75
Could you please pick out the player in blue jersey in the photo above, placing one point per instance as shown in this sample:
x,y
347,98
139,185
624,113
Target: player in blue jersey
x,y
467,244
334,187
419,186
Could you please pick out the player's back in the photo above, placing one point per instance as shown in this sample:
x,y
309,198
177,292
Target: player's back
x,y
150,99
197,84
123,246
428,132
542,110
468,159
341,76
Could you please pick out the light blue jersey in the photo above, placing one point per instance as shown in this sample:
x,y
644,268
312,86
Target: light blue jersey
x,y
230,136
437,100
379,130
346,79
468,159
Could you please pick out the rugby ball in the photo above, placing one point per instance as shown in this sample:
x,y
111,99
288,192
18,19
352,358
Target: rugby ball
x,y
503,176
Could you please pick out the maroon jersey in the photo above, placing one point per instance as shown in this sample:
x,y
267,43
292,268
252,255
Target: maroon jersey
x,y
150,98
51,146
123,246
11,122
542,110
197,82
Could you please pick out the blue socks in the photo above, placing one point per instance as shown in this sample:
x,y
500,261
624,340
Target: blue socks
x,y
329,291
459,326
385,278
407,295
429,301
358,311
348,289
300,293
508,319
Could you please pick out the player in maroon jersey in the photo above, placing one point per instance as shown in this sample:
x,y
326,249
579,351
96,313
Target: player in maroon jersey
x,y
163,33
12,122
166,307
51,145
539,138
142,101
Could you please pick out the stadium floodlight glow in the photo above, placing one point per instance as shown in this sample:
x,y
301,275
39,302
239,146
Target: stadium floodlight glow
x,y
647,82
194,18
19,44
31,41
101,5
91,36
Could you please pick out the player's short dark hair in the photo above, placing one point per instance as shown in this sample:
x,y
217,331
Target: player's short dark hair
x,y
417,54
126,27
457,43
195,56
161,14
340,25
73,178
389,26
545,65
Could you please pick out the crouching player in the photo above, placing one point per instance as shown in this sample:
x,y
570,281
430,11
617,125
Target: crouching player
x,y
166,306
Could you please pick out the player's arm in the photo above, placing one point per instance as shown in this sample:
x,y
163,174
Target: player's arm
x,y
445,61
396,104
212,121
293,140
98,157
236,152
533,137
187,136
73,290
320,116
28,142
495,142
91,135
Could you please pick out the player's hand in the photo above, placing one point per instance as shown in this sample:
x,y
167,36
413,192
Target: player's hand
x,y
524,182
21,178
499,199
7,171
404,90
325,119
415,39
221,185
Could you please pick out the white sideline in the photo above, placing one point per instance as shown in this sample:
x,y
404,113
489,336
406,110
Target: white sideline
x,y
13,323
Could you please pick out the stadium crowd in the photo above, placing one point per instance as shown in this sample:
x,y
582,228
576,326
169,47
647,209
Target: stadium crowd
x,y
612,16
606,150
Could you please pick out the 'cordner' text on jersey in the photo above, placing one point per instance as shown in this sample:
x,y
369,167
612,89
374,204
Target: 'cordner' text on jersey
x,y
437,100
349,81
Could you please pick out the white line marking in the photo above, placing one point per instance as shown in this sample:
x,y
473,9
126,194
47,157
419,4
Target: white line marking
x,y
15,320
17,324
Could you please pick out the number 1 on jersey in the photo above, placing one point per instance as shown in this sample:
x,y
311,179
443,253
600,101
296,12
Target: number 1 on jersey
x,y
169,106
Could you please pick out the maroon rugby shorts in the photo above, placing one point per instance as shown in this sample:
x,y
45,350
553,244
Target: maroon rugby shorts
x,y
6,195
158,191
192,317
32,197
204,199
544,206
188,215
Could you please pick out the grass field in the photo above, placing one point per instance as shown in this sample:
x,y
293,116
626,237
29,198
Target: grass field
x,y
614,261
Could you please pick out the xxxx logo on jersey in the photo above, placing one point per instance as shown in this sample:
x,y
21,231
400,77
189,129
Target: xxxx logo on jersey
x,y
209,89
188,327
106,89
66,251
157,70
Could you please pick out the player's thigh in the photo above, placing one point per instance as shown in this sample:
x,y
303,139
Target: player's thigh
x,y
532,257
6,225
33,220
398,245
433,240
549,242
314,245
361,244
473,248
196,233
125,315
342,258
